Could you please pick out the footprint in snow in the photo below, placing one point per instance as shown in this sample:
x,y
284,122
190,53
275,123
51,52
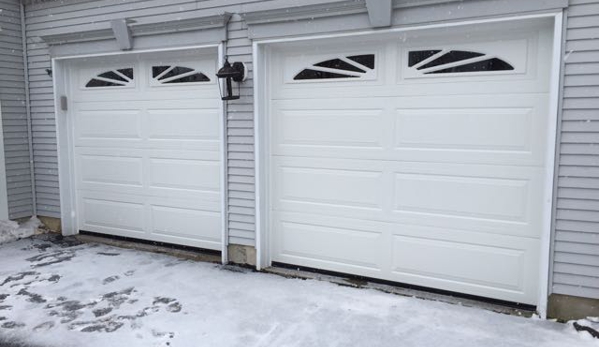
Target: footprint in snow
x,y
110,279
172,305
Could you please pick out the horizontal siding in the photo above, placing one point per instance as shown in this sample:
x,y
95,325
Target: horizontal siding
x,y
14,114
576,247
240,134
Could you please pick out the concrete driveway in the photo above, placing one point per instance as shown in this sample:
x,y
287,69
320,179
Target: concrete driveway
x,y
64,293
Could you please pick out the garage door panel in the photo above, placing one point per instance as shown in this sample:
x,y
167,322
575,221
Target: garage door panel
x,y
183,124
184,174
110,170
497,129
354,128
351,188
486,199
412,256
173,224
427,256
115,215
464,261
476,197
186,223
487,129
179,174
108,125
353,245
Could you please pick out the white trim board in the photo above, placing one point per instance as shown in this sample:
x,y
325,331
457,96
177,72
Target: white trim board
x,y
64,135
551,173
223,168
3,187
260,48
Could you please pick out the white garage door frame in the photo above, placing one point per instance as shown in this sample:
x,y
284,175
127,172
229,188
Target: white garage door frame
x,y
261,121
66,166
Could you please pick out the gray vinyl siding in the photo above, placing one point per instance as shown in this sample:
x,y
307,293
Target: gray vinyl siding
x,y
576,246
240,142
43,125
14,114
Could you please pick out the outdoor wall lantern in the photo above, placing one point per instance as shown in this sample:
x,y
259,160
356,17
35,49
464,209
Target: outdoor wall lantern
x,y
231,74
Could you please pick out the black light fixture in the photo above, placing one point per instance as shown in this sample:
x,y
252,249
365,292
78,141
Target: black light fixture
x,y
231,73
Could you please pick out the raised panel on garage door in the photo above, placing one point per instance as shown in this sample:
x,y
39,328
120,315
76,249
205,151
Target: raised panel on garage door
x,y
413,158
146,137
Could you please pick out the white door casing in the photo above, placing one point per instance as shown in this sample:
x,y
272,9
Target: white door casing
x,y
146,153
429,179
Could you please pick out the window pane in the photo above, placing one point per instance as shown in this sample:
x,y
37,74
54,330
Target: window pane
x,y
339,64
485,65
416,57
176,71
127,72
451,57
365,59
198,77
308,74
113,76
99,83
157,70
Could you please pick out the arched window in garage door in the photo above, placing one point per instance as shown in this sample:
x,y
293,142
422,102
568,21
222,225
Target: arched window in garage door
x,y
172,74
438,61
112,78
354,66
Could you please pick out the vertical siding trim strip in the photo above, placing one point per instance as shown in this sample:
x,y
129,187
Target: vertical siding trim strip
x,y
259,98
28,108
550,159
557,151
222,48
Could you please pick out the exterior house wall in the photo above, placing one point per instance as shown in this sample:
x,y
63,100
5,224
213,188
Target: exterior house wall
x,y
576,245
14,114
576,249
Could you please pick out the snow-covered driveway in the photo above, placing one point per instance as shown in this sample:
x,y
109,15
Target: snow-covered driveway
x,y
68,294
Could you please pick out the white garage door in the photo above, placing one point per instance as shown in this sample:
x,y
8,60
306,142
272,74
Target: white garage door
x,y
147,158
417,158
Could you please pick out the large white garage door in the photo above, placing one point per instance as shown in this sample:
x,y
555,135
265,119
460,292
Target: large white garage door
x,y
413,158
146,133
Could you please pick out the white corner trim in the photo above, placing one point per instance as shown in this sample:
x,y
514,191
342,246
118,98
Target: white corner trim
x,y
223,170
3,187
550,159
68,215
259,100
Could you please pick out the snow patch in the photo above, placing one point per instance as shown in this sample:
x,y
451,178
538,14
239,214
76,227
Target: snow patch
x,y
12,231
55,294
